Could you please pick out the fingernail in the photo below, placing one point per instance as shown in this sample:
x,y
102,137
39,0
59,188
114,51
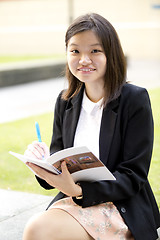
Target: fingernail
x,y
64,163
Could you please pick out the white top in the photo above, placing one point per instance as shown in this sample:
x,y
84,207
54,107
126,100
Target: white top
x,y
88,127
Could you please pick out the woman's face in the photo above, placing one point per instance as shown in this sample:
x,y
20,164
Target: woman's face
x,y
86,58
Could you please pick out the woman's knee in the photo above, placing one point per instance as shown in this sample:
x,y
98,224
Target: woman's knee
x,y
42,226
32,228
54,224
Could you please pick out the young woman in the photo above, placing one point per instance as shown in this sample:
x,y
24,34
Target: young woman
x,y
114,119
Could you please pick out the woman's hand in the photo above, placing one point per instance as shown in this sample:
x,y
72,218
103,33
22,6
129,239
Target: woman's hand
x,y
63,182
37,150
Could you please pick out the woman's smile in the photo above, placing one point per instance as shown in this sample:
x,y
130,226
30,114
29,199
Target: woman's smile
x,y
86,70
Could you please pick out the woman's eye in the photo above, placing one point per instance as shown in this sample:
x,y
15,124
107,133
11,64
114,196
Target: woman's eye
x,y
75,51
96,51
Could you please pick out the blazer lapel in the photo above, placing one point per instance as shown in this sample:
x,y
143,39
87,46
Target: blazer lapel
x,y
70,119
108,122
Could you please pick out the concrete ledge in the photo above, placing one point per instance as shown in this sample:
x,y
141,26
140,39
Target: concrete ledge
x,y
17,73
16,208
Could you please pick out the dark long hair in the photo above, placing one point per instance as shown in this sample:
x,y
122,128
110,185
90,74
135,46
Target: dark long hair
x,y
115,75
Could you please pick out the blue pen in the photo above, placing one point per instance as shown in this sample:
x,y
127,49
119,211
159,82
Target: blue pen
x,y
38,134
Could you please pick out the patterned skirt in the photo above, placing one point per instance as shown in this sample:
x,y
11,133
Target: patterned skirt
x,y
102,221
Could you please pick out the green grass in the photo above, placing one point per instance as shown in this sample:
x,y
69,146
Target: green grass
x,y
15,136
19,58
154,174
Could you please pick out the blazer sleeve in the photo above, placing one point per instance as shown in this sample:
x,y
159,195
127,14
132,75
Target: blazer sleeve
x,y
57,142
131,170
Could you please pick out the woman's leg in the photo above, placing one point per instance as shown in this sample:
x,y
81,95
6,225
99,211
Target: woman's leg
x,y
55,224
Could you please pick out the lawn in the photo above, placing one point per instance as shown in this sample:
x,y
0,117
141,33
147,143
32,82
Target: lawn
x,y
15,136
154,174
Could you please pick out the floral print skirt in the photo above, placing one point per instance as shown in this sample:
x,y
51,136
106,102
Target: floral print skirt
x,y
102,221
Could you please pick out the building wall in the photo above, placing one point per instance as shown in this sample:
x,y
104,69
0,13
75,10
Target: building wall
x,y
31,27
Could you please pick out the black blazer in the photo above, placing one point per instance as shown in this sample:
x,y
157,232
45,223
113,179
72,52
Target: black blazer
x,y
125,143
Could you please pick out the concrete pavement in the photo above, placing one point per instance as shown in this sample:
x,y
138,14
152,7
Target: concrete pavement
x,y
25,100
15,210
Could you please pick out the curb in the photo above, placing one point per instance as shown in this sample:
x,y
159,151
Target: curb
x,y
26,72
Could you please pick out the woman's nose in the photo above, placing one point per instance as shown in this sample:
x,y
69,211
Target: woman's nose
x,y
85,60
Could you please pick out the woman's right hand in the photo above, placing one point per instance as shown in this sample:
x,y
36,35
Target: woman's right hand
x,y
37,150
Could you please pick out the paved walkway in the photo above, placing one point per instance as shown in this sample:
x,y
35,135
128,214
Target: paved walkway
x,y
35,98
15,210
25,100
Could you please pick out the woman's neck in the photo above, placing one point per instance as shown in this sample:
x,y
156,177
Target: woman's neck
x,y
94,93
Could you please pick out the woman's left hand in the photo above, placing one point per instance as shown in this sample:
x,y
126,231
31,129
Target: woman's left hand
x,y
63,182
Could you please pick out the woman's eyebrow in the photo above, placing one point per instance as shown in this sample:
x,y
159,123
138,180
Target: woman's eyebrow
x,y
96,44
73,44
92,45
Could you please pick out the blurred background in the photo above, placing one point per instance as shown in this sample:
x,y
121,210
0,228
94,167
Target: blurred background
x,y
37,27
32,47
